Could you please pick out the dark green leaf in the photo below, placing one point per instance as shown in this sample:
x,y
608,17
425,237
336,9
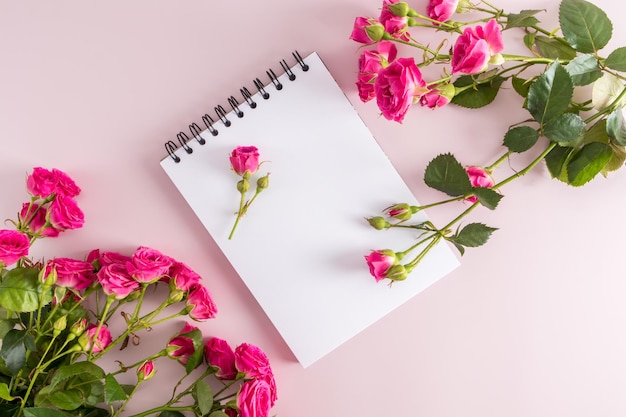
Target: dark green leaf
x,y
91,412
473,235
587,163
553,49
487,197
524,18
478,96
21,291
565,129
529,40
615,127
203,394
113,391
617,59
584,69
43,412
585,26
550,94
521,86
6,325
521,138
171,414
596,133
195,359
69,399
218,413
446,174
85,371
14,347
556,161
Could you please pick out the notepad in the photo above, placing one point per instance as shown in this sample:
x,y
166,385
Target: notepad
x,y
300,248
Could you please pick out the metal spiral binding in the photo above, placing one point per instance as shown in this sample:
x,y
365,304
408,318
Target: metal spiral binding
x,y
196,132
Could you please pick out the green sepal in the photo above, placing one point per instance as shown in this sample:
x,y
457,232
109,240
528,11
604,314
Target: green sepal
x,y
617,59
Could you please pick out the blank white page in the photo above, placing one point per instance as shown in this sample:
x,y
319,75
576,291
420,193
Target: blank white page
x,y
300,249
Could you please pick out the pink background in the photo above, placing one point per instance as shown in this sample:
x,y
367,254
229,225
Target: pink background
x,y
532,324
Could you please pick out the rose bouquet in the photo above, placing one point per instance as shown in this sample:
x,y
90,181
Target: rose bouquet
x,y
572,92
58,319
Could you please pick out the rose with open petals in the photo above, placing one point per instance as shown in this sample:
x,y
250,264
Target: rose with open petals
x,y
13,245
370,64
475,48
245,159
65,214
64,184
253,398
251,360
219,354
71,273
116,281
41,182
441,10
183,277
397,87
200,304
148,265
479,177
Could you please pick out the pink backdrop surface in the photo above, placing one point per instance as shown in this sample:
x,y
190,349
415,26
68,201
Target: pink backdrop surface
x,y
532,324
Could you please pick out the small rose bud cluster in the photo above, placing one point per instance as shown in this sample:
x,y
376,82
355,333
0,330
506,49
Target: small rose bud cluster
x,y
244,161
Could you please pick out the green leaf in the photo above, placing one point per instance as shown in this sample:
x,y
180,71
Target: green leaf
x,y
218,413
14,347
587,163
520,138
596,133
521,86
446,174
553,49
567,128
615,127
67,399
171,414
6,325
487,197
113,391
617,160
43,412
522,19
617,59
529,40
91,412
556,161
550,94
478,96
203,394
585,26
195,359
85,371
584,69
21,291
473,235
5,393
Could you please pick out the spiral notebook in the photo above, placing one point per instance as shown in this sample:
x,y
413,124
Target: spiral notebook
x,y
300,248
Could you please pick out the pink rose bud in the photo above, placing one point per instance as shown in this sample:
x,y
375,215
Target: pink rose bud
x,y
90,341
475,48
253,399
146,371
180,347
397,87
245,159
441,10
379,262
438,97
219,354
479,177
148,265
71,273
34,216
400,211
378,223
13,245
395,26
200,304
367,31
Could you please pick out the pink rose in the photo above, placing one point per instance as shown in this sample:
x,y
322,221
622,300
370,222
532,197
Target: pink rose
x,y
370,64
146,371
13,245
99,341
244,158
180,347
184,278
71,273
252,361
475,47
379,262
41,182
441,10
394,25
200,304
397,86
479,177
65,214
148,265
109,257
434,99
116,281
34,216
253,398
219,354
65,185
367,31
